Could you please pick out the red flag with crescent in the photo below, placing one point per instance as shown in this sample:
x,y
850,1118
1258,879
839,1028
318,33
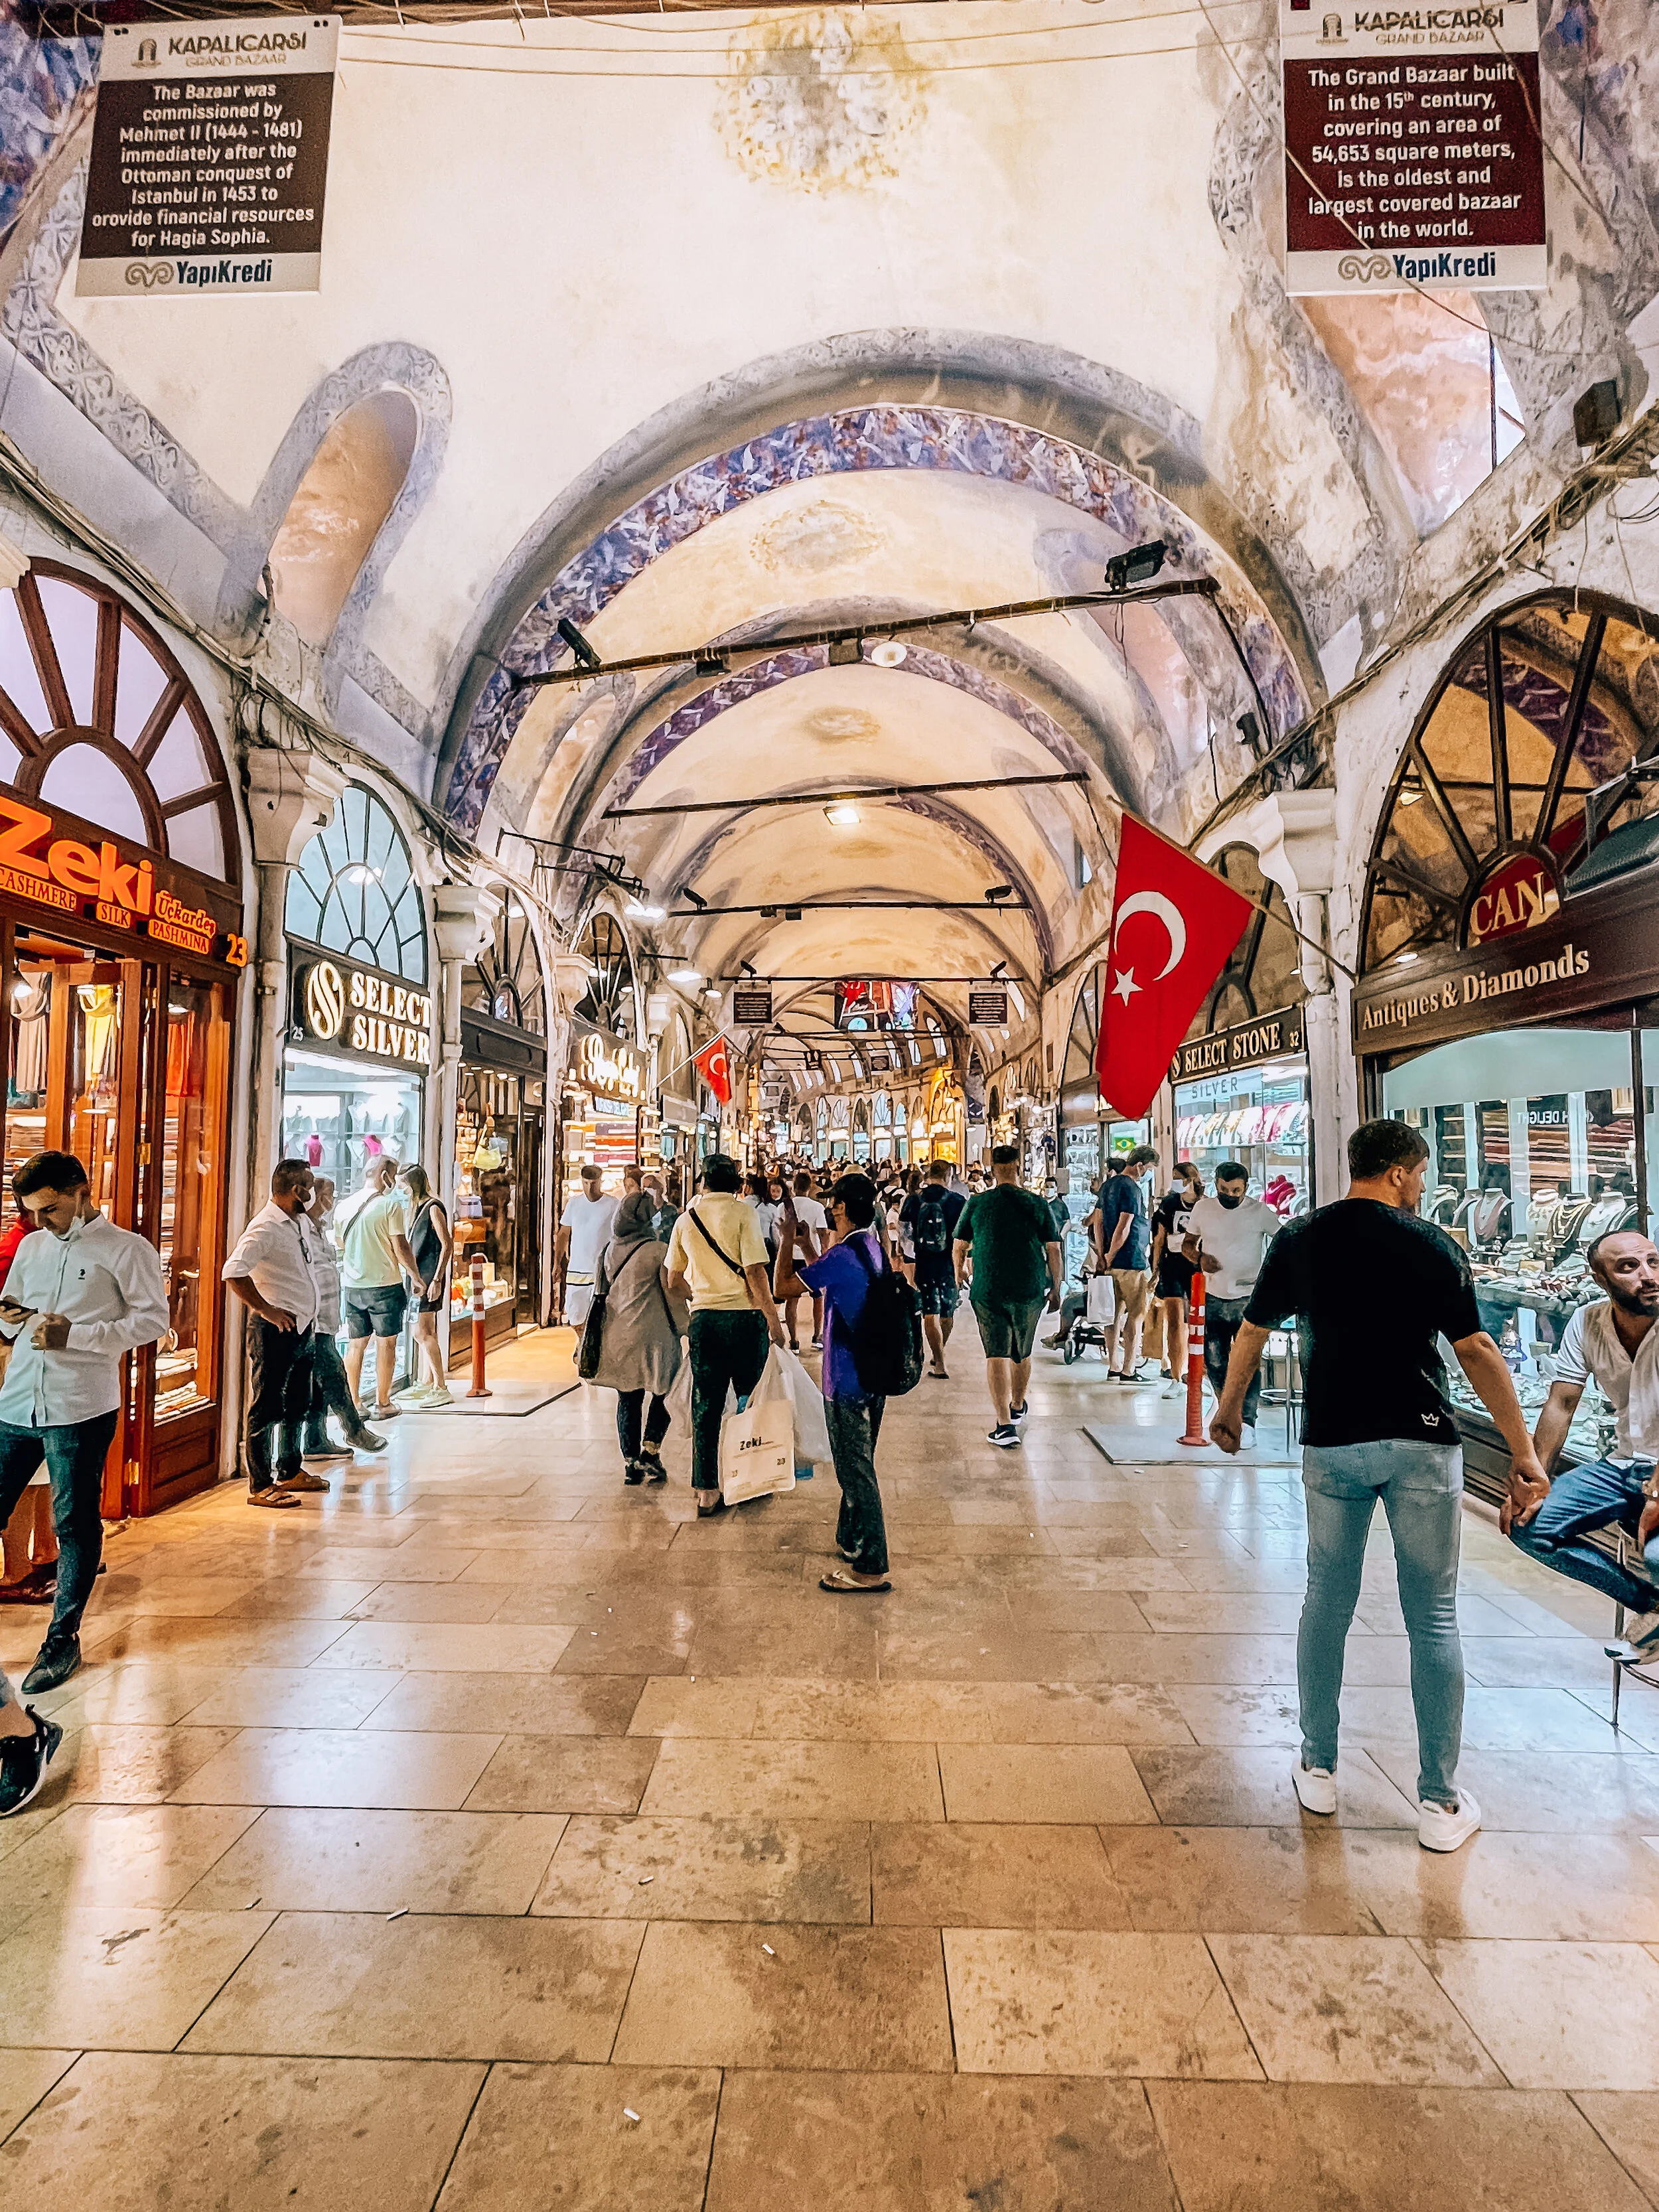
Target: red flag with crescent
x,y
713,1064
1174,924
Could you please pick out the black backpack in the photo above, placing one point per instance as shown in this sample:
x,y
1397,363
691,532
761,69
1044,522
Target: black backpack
x,y
886,1338
932,1229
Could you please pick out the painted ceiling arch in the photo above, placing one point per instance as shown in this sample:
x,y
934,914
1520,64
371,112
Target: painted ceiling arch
x,y
927,439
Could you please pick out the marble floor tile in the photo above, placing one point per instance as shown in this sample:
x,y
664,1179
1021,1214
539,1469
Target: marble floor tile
x,y
437,1647
796,1781
153,1692
355,1986
318,1859
299,1597
1627,2121
25,2078
1281,1881
1557,2015
118,1978
1577,1889
703,1869
565,1774
1306,2147
510,1705
604,2137
1169,1659
221,1641
131,2131
122,1762
1060,1782
719,1705
119,1855
1348,2008
934,2142
956,1875
1549,1793
1252,1788
1223,1612
343,1766
1237,1716
451,1604
971,1656
866,1999
1075,2002
290,1697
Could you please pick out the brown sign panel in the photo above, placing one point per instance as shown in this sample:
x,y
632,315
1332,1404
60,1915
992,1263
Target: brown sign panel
x,y
209,154
1269,1036
751,1005
76,870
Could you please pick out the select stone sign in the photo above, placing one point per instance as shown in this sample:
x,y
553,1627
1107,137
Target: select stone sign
x,y
210,153
1270,1036
1411,154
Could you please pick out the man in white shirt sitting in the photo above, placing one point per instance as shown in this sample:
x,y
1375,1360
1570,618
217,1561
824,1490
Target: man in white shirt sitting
x,y
1615,1341
76,1303
271,1273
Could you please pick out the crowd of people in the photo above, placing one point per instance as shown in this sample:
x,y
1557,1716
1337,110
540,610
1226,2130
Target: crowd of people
x,y
694,1295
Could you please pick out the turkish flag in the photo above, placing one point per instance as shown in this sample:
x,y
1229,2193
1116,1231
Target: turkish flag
x,y
1174,924
713,1064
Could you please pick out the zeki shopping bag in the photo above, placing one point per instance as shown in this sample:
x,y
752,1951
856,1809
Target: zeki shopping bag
x,y
1102,1294
757,1445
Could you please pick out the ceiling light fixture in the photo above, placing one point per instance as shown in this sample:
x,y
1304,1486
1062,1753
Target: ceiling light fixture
x,y
846,652
685,976
579,645
1137,566
889,653
686,892
641,910
999,892
1404,959
843,815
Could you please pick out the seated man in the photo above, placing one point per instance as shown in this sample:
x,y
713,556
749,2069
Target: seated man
x,y
1614,1340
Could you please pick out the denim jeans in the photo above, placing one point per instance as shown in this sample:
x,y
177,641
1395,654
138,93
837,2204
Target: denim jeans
x,y
1221,1319
330,1393
630,1405
1421,1487
854,1426
1584,1499
728,1351
74,1452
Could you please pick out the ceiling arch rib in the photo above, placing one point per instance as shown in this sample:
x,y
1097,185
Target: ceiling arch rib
x,y
937,440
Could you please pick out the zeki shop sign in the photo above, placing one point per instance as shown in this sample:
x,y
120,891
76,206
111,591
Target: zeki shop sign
x,y
335,1003
80,872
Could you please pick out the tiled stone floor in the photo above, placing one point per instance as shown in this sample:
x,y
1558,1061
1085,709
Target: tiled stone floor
x,y
491,1836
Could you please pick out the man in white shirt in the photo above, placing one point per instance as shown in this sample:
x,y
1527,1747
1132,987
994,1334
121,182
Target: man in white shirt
x,y
584,1232
331,1391
1616,1342
1227,1234
76,1303
270,1271
811,1217
376,1257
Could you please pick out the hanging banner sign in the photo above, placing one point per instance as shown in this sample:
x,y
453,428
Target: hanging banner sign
x,y
210,153
1413,158
987,1007
751,1005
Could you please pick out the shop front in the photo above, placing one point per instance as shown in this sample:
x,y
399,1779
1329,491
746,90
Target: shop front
x,y
604,1099
1508,1008
1242,1095
121,938
1086,1132
500,1126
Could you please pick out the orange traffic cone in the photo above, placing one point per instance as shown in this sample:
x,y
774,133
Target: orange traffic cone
x,y
1195,1430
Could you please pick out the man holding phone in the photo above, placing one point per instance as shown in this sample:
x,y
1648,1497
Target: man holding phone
x,y
76,1303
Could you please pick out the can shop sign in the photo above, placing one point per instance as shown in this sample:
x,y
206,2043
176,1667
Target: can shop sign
x,y
337,1004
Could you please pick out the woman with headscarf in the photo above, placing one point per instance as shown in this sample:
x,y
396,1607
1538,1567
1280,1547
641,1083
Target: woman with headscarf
x,y
639,1349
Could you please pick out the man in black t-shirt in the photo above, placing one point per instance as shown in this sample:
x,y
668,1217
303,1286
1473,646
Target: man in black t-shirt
x,y
1378,1288
931,1217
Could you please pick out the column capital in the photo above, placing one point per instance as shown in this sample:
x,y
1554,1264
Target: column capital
x,y
464,918
290,796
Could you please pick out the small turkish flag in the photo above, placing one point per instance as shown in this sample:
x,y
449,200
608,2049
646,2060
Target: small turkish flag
x,y
1174,924
713,1064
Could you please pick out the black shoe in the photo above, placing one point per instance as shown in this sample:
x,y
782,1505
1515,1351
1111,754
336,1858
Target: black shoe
x,y
652,1467
1016,1413
23,1763
364,1440
633,1473
59,1658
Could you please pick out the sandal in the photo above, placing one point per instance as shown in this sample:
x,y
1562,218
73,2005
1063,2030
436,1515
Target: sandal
x,y
842,1584
708,1512
272,1497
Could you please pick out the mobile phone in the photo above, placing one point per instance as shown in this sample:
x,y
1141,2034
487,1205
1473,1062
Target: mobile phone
x,y
12,1311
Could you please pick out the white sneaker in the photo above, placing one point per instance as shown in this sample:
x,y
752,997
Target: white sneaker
x,y
1247,1437
1440,1829
1315,1788
1640,1642
429,1400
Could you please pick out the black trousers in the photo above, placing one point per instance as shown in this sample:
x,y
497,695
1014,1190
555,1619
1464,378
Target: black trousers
x,y
728,1349
630,1405
330,1393
279,1400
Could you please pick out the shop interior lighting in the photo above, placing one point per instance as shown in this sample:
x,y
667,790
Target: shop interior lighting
x,y
843,815
685,975
1404,959
889,653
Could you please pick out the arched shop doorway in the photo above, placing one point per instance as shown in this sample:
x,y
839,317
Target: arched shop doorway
x,y
610,1118
122,947
500,1122
1509,1003
1240,1074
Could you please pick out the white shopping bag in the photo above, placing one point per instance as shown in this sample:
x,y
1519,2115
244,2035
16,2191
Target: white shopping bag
x,y
1102,1300
678,1397
757,1450
807,1402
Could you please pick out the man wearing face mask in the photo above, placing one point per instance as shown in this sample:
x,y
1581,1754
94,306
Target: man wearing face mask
x,y
1226,1236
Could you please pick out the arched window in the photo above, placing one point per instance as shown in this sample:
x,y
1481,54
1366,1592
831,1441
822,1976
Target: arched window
x,y
505,981
937,1035
354,891
608,1002
1264,974
1485,823
338,510
97,717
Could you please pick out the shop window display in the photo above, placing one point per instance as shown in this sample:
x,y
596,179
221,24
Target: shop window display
x,y
1259,1117
488,1186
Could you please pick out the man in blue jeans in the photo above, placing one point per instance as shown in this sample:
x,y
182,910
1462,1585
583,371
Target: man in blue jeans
x,y
1377,1287
77,1302
1549,1516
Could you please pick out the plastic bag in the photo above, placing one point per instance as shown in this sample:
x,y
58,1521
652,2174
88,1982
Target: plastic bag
x,y
811,1429
678,1397
1102,1295
757,1445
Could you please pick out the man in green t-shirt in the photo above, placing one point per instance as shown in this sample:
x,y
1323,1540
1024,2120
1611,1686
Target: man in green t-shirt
x,y
1006,1253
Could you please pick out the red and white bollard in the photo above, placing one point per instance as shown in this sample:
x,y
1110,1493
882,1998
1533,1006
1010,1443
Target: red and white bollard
x,y
478,1390
1195,1431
